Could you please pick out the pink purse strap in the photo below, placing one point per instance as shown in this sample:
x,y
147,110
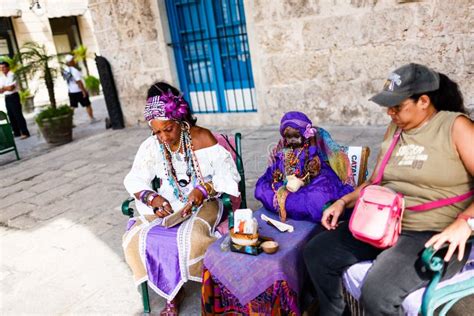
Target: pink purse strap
x,y
386,158
442,202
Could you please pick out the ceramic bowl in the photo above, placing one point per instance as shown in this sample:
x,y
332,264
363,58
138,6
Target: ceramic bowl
x,y
269,246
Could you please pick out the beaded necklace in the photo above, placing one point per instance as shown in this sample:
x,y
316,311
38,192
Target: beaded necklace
x,y
193,172
291,164
190,149
291,160
177,151
176,155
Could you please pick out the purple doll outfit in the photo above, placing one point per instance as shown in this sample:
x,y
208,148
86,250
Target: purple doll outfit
x,y
308,202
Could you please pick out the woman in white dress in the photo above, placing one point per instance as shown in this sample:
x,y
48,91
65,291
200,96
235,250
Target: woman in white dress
x,y
193,169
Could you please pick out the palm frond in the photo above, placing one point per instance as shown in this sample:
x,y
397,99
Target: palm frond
x,y
37,62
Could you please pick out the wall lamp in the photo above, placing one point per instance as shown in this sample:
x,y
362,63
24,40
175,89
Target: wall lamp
x,y
37,8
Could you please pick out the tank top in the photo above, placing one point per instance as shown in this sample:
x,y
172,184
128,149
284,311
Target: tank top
x,y
424,167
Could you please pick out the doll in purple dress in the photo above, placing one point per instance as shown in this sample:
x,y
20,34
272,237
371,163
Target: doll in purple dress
x,y
307,171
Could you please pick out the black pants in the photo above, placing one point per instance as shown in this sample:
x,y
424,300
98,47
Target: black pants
x,y
397,272
12,101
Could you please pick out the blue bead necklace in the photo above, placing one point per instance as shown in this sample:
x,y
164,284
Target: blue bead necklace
x,y
193,172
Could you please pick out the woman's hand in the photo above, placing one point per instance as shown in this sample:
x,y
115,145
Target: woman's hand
x,y
195,199
332,214
161,206
456,235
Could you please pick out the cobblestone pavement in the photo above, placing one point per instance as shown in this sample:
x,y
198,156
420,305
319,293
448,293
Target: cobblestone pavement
x,y
61,225
36,145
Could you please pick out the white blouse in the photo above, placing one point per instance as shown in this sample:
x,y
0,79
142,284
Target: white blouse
x,y
215,162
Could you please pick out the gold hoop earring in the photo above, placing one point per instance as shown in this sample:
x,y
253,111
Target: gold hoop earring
x,y
185,125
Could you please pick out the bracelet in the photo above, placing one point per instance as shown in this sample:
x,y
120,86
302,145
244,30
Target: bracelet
x,y
343,201
210,189
143,196
151,198
203,190
148,197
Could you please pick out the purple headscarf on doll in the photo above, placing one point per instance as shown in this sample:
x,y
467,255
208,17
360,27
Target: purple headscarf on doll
x,y
299,121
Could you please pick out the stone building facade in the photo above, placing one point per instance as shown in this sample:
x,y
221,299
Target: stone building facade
x,y
323,57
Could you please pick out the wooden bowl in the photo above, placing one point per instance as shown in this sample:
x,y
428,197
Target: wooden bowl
x,y
269,246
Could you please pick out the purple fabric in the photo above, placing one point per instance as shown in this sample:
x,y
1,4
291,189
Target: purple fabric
x,y
354,277
247,276
296,120
130,223
162,259
308,202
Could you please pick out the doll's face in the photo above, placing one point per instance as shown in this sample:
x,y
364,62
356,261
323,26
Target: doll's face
x,y
292,137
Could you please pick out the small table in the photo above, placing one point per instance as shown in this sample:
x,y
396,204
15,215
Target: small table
x,y
235,282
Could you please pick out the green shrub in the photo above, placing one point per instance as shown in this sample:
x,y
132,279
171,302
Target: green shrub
x,y
23,95
50,113
92,84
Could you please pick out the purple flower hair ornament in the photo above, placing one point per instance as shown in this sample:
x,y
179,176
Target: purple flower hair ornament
x,y
167,106
310,131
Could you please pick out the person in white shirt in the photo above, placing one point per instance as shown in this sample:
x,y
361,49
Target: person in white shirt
x,y
9,88
77,91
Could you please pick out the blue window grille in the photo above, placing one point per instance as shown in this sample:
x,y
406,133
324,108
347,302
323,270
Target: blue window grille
x,y
209,39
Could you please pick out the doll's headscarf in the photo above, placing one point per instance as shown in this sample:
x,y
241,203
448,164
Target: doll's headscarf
x,y
299,121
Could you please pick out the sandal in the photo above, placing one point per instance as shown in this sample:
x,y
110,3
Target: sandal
x,y
172,307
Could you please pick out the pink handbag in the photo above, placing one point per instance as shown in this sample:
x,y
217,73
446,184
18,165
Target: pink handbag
x,y
378,212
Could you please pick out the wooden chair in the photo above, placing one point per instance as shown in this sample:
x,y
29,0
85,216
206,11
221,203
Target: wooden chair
x,y
235,148
7,141
358,157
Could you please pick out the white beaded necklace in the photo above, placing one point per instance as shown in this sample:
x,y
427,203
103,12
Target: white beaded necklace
x,y
175,154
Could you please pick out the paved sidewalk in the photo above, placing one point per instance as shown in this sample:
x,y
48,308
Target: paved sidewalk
x,y
61,225
36,145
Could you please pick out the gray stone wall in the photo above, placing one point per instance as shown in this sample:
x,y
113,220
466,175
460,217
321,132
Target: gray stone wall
x,y
327,58
323,57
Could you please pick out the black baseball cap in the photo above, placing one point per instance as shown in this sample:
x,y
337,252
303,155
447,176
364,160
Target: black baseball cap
x,y
404,82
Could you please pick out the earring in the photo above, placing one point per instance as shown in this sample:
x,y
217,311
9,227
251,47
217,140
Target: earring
x,y
185,125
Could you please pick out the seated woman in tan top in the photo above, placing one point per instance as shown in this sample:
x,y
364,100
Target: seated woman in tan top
x,y
432,160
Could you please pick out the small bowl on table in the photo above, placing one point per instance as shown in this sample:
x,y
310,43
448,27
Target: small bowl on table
x,y
269,246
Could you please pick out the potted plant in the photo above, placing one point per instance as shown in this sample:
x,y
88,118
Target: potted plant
x,y
55,123
27,100
92,85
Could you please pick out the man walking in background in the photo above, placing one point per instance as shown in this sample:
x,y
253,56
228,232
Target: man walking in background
x,y
9,88
77,91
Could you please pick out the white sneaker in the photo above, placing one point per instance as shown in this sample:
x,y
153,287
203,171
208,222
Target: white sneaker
x,y
94,120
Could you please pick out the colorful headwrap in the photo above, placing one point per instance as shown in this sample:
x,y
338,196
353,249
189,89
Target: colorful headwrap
x,y
330,151
166,106
299,121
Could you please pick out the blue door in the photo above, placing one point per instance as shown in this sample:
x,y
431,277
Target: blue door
x,y
209,38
